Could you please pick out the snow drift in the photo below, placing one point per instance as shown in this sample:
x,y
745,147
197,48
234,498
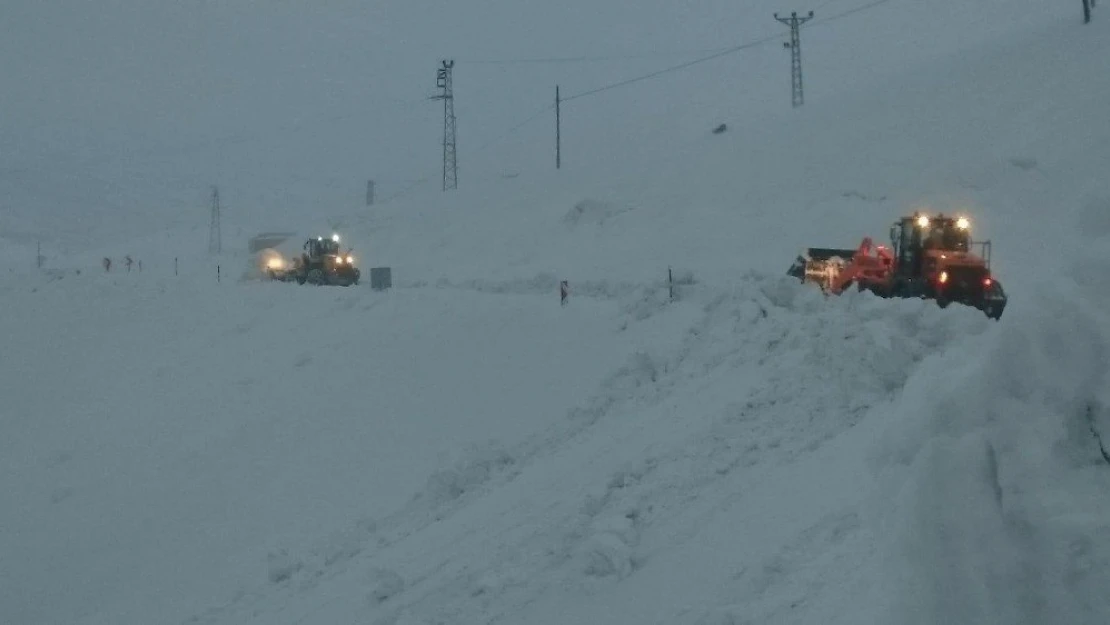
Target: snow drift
x,y
998,466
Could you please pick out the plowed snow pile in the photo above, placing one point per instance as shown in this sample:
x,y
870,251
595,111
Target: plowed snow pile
x,y
996,463
710,467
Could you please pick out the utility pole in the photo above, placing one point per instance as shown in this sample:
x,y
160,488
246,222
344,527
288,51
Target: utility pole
x,y
795,45
215,240
444,82
558,132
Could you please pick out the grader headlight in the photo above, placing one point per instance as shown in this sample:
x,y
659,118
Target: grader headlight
x,y
923,221
963,223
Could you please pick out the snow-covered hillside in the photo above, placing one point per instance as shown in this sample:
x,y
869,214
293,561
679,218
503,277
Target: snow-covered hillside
x,y
463,449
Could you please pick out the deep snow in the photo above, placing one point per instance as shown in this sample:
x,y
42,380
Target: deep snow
x,y
463,449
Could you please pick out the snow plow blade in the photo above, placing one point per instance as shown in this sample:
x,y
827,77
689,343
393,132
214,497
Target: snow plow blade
x,y
820,265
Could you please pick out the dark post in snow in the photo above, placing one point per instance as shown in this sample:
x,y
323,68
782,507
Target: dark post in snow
x,y
795,45
564,291
38,254
558,132
1087,11
215,240
670,283
369,192
175,265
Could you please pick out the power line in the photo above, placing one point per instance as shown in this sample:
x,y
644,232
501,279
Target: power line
x,y
415,183
504,135
592,59
605,58
823,5
721,53
675,68
859,9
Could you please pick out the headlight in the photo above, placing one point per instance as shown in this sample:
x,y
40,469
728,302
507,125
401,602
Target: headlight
x,y
923,221
335,237
339,260
962,223
943,277
350,260
274,263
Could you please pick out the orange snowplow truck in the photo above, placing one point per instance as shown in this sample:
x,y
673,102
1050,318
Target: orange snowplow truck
x,y
930,257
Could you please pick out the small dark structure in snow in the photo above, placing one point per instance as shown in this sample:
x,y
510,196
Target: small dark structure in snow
x,y
720,129
381,278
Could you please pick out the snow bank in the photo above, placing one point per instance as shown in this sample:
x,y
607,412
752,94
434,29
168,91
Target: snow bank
x,y
470,469
673,468
995,462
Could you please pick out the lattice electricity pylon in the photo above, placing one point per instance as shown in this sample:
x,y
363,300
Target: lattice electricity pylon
x,y
447,94
215,239
795,45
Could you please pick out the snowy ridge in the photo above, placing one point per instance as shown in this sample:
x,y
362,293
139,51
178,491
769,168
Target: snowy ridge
x,y
807,377
1000,480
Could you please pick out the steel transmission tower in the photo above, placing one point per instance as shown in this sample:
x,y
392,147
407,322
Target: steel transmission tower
x,y
215,240
447,94
795,45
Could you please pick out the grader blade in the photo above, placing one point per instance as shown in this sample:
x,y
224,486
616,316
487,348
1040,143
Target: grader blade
x,y
821,265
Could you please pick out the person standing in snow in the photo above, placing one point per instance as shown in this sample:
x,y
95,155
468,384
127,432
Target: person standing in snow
x,y
107,264
127,261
